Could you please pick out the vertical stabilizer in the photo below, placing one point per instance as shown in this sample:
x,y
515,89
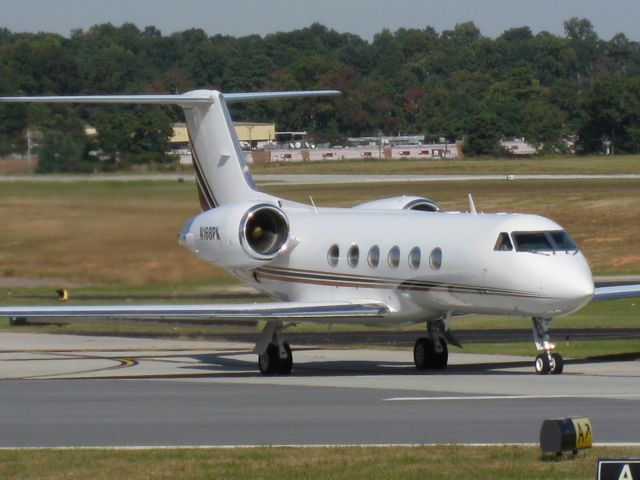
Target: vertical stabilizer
x,y
220,168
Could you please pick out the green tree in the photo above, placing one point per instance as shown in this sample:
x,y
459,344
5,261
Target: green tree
x,y
12,125
482,135
612,114
584,41
537,85
134,134
59,153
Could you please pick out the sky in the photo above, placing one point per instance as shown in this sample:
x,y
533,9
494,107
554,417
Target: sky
x,y
362,17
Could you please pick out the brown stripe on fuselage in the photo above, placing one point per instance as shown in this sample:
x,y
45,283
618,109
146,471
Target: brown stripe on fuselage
x,y
204,204
204,189
361,281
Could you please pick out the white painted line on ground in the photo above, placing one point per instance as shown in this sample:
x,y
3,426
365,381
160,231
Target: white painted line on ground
x,y
322,445
510,397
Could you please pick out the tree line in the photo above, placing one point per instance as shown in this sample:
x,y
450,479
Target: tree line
x,y
456,84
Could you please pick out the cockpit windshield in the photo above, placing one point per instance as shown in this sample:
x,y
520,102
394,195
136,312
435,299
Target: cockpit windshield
x,y
532,242
551,241
503,243
563,241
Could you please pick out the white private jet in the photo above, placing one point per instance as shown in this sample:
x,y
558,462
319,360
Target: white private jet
x,y
389,261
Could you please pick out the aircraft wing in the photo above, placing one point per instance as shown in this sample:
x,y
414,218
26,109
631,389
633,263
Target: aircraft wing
x,y
309,311
613,292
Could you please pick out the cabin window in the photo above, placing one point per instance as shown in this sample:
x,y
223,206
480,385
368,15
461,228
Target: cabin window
x,y
353,255
503,244
414,258
373,257
333,255
435,259
393,258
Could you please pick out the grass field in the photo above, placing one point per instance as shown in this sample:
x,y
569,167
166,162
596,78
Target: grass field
x,y
373,463
559,164
485,165
110,233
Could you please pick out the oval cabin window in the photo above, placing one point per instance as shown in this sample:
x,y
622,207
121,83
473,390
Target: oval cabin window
x,y
414,258
353,256
393,259
435,259
373,258
333,255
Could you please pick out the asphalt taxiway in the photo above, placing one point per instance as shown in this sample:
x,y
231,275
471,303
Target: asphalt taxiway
x,y
61,390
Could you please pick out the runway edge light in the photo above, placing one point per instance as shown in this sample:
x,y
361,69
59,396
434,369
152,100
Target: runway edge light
x,y
565,435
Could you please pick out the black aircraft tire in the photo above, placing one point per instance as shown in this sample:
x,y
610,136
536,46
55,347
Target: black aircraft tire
x,y
440,360
285,364
558,364
269,361
423,352
542,364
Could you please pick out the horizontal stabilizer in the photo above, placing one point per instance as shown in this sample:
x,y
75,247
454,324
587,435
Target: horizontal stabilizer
x,y
249,97
189,99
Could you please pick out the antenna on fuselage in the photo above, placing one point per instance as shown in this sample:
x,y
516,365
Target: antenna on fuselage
x,y
472,206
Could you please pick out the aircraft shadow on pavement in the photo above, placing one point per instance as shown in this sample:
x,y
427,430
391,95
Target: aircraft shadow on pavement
x,y
618,357
222,365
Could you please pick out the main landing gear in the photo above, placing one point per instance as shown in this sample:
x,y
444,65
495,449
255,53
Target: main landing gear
x,y
547,360
274,354
432,352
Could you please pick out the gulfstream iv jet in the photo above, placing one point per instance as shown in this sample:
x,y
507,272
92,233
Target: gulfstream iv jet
x,y
325,264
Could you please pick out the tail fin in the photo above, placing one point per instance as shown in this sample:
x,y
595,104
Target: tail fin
x,y
221,172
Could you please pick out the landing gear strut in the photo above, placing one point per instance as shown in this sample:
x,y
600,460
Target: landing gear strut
x,y
274,354
547,361
432,352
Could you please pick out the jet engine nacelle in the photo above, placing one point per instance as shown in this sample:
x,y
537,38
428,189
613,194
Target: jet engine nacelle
x,y
239,235
401,203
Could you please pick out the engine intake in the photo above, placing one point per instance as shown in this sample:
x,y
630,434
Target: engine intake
x,y
264,230
423,205
401,203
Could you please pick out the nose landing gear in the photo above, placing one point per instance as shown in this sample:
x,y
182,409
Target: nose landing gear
x,y
547,361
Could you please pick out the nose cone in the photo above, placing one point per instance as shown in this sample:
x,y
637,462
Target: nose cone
x,y
580,285
573,283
